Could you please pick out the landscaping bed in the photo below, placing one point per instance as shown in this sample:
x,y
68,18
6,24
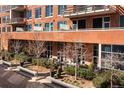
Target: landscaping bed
x,y
82,83
15,62
38,68
83,79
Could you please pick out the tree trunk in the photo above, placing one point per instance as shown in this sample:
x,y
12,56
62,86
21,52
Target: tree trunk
x,y
75,71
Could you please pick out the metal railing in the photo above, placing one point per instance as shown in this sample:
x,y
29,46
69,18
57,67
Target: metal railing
x,y
15,20
8,7
85,9
80,30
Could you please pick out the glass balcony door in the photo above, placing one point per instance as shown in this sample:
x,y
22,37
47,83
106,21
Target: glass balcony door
x,y
79,24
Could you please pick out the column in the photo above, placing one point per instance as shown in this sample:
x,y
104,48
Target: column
x,y
99,56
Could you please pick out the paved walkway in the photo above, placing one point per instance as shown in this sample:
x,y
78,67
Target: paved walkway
x,y
13,79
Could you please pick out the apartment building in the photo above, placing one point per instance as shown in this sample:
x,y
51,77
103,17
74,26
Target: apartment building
x,y
98,27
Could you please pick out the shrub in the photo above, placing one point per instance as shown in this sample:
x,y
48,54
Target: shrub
x,y
45,62
86,73
36,61
89,75
6,55
120,79
102,79
100,82
23,57
70,70
81,72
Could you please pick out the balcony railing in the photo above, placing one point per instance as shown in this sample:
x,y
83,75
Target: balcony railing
x,y
15,20
8,7
84,9
77,30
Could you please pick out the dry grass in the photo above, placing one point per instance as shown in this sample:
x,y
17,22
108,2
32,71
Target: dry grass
x,y
79,82
15,62
38,68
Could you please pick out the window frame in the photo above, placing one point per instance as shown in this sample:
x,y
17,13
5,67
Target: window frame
x,y
49,11
61,8
38,12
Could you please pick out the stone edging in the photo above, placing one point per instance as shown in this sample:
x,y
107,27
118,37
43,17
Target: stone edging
x,y
5,62
34,73
61,83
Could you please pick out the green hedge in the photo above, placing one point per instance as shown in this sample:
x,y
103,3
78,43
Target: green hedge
x,y
103,79
21,57
81,72
45,62
70,70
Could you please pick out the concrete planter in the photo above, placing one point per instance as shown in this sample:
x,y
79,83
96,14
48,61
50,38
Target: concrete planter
x,y
33,73
1,62
61,83
6,63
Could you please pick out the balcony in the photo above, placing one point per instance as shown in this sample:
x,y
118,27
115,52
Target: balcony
x,y
18,20
86,10
103,36
6,8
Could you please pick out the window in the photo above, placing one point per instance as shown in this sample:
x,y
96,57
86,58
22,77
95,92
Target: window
x,y
61,25
106,22
49,26
8,19
106,48
8,29
38,27
122,21
38,12
49,10
29,27
3,29
97,22
49,49
61,8
3,19
29,14
101,22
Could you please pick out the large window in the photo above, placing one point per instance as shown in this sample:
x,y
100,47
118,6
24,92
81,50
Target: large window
x,y
4,19
61,8
48,52
38,12
79,24
29,27
112,56
61,25
3,29
29,14
49,10
102,22
49,26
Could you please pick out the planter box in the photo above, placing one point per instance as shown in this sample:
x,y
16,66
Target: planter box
x,y
1,62
33,73
61,83
6,63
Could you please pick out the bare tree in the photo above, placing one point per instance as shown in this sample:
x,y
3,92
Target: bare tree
x,y
113,61
76,53
36,47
